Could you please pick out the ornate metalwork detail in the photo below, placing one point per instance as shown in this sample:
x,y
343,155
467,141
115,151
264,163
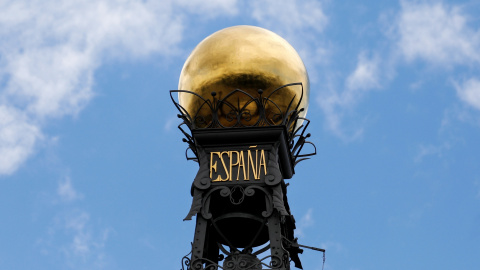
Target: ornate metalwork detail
x,y
273,179
196,204
202,180
186,261
225,191
201,183
239,115
274,176
220,206
267,111
237,262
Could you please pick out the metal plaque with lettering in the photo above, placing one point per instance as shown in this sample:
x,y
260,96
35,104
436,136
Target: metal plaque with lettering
x,y
235,165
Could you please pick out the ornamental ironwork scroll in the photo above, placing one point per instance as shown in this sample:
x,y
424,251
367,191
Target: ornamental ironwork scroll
x,y
242,182
227,112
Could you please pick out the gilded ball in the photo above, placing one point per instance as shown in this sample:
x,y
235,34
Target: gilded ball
x,y
244,57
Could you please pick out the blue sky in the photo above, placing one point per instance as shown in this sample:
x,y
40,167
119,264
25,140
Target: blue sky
x,y
92,167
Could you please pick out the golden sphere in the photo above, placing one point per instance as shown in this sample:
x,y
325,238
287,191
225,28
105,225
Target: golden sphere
x,y
247,58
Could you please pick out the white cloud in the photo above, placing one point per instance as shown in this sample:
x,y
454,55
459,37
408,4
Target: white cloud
x,y
469,92
67,192
86,247
17,139
81,239
303,29
51,49
74,238
444,36
335,104
305,222
437,33
365,76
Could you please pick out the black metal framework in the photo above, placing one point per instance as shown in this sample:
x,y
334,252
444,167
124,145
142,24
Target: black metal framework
x,y
238,221
238,116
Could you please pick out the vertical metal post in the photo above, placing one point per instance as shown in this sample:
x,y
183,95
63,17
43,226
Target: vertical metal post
x,y
199,243
276,248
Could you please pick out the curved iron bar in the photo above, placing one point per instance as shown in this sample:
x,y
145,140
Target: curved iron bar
x,y
240,110
250,191
239,115
216,104
220,246
228,192
260,251
220,233
200,261
275,263
224,192
250,245
186,261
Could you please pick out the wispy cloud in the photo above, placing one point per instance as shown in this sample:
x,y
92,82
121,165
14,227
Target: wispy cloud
x,y
17,138
305,222
51,49
304,29
72,235
428,150
436,32
469,92
334,104
66,192
83,247
441,35
366,76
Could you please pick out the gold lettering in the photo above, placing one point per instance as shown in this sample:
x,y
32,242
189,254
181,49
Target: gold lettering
x,y
219,178
241,163
233,164
224,166
236,160
254,165
262,163
213,166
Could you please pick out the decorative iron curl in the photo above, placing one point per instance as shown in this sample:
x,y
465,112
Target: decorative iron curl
x,y
186,262
275,262
225,191
212,110
199,264
250,191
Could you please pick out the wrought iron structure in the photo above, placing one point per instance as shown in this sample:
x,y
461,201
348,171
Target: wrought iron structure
x,y
246,146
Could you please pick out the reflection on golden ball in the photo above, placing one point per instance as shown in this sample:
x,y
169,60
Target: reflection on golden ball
x,y
247,58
